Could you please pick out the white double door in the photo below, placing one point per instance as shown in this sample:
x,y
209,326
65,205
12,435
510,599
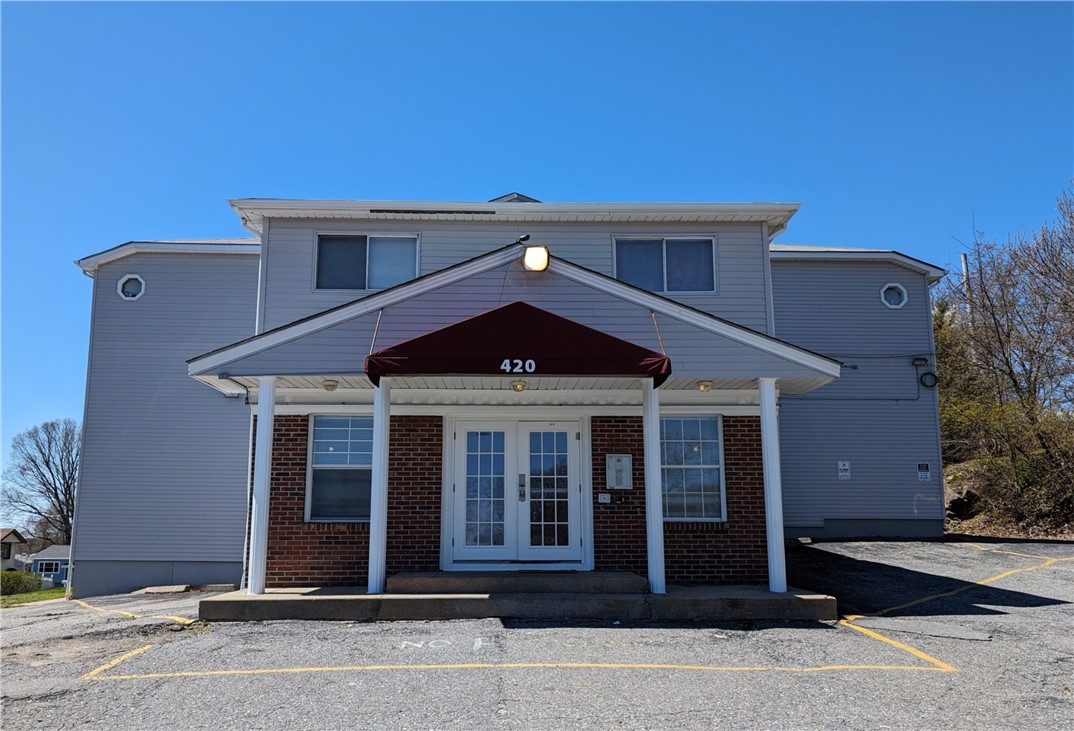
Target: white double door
x,y
517,491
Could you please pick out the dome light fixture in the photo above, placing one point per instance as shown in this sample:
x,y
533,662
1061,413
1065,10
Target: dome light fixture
x,y
704,386
518,386
329,385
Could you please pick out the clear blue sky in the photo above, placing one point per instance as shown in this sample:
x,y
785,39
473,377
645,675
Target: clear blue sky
x,y
895,125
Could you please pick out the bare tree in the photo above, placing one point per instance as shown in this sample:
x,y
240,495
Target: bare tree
x,y
40,481
1005,346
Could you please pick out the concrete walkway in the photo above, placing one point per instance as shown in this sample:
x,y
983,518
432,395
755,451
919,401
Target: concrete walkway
x,y
680,603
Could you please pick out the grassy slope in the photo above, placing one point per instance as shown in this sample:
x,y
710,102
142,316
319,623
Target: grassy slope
x,y
11,600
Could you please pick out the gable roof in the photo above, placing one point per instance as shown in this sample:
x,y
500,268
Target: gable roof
x,y
211,363
803,252
53,552
90,264
11,533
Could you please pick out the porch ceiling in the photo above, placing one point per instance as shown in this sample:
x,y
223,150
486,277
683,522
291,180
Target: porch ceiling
x,y
311,386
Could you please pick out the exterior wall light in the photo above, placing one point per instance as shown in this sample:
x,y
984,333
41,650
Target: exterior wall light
x,y
329,385
518,386
704,386
535,259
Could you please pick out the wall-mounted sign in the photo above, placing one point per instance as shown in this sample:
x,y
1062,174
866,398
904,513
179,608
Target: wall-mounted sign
x,y
924,472
842,468
617,472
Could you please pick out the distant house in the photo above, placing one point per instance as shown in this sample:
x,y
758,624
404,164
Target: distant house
x,y
52,563
9,538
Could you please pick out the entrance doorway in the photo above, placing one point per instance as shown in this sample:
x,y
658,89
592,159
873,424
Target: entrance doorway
x,y
517,492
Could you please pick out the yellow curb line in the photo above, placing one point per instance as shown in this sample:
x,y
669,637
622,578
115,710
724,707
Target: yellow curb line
x,y
92,674
132,615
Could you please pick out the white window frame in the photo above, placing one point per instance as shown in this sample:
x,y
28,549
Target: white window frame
x,y
48,567
722,467
616,238
368,235
309,472
123,280
896,285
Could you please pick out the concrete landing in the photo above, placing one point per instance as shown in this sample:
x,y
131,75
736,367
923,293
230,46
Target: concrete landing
x,y
680,603
515,582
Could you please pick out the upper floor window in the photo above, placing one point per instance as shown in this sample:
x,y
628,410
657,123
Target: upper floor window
x,y
667,264
365,262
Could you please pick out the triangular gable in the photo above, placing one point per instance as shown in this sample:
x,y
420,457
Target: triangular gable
x,y
518,338
333,341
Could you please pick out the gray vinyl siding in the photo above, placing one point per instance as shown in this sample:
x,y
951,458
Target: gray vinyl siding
x,y
290,256
342,348
164,459
877,415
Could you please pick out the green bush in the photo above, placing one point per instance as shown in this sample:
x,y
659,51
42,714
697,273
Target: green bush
x,y
18,582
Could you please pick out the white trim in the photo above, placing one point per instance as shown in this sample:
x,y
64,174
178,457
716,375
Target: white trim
x,y
307,509
364,306
262,478
822,365
769,301
496,412
896,285
90,264
773,487
378,492
654,488
665,414
664,238
447,516
803,253
123,280
661,305
254,211
317,234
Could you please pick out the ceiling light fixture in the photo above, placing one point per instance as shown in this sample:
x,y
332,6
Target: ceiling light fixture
x,y
518,386
704,386
329,385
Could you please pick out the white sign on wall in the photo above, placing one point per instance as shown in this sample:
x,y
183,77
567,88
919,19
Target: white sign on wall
x,y
842,467
924,472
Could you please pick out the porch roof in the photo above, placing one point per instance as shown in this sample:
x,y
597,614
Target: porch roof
x,y
540,341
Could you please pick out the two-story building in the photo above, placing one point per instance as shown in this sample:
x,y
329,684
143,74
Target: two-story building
x,y
371,387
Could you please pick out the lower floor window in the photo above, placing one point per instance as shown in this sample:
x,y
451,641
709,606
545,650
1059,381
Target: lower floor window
x,y
691,468
341,461
48,567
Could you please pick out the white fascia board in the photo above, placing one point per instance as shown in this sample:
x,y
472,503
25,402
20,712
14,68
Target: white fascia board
x,y
210,362
663,306
90,264
253,211
932,272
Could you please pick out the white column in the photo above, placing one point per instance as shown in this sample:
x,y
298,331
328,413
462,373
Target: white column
x,y
266,411
654,490
773,487
378,496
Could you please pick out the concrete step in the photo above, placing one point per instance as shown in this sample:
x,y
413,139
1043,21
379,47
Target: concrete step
x,y
514,582
694,604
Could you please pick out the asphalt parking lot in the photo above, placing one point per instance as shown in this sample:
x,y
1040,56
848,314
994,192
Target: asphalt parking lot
x,y
935,635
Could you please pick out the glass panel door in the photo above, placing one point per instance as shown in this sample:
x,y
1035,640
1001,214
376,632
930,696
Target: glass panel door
x,y
550,527
485,525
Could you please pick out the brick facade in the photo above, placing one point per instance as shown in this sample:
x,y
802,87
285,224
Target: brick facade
x,y
734,552
336,554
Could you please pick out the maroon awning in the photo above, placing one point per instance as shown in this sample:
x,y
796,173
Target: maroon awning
x,y
517,340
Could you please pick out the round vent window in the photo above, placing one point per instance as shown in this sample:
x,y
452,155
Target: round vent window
x,y
131,287
893,295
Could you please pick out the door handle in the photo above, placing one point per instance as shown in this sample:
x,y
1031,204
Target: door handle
x,y
522,488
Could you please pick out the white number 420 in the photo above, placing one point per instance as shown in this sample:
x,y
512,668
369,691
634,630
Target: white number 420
x,y
516,365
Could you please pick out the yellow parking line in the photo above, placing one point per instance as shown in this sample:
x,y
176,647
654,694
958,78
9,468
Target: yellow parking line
x,y
940,665
132,615
507,666
979,547
92,674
